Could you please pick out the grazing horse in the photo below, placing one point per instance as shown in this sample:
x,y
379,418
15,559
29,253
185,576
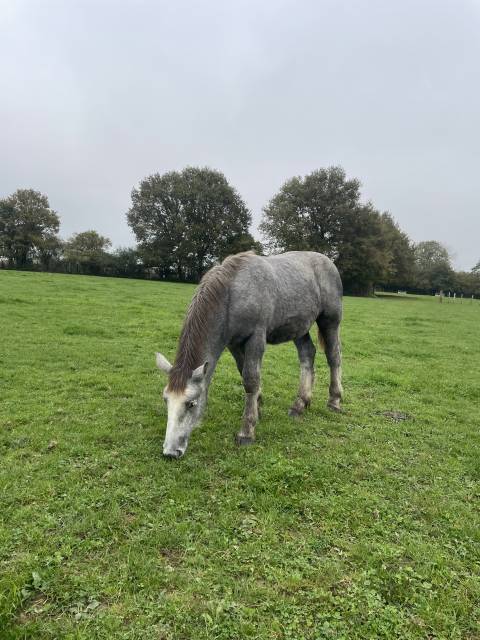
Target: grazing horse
x,y
243,304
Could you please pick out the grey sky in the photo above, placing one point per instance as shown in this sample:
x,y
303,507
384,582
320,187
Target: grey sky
x,y
96,95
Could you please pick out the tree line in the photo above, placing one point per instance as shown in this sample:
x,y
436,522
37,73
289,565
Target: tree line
x,y
186,221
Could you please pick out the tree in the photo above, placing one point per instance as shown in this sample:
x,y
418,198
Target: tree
x,y
322,212
86,252
433,267
8,230
127,263
27,226
402,264
307,212
245,242
467,282
364,257
186,221
49,251
476,268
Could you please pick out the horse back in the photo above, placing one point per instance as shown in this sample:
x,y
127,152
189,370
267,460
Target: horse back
x,y
283,295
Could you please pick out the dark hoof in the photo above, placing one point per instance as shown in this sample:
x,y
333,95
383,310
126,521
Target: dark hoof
x,y
295,413
173,455
334,408
243,441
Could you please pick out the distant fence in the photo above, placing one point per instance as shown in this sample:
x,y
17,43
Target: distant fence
x,y
452,297
449,296
447,293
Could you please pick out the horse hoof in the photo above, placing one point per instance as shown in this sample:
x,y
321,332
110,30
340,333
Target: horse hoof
x,y
243,441
334,408
294,413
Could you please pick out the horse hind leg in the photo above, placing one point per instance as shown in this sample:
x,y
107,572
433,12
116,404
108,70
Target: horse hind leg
x,y
306,354
330,336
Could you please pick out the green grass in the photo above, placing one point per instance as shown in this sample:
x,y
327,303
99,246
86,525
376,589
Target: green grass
x,y
337,526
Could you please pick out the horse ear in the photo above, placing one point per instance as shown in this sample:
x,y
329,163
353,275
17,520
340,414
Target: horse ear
x,y
199,373
162,363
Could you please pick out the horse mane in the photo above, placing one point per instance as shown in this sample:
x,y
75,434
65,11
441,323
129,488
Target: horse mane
x,y
206,300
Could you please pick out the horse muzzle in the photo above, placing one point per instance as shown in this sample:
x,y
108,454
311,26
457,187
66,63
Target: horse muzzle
x,y
174,446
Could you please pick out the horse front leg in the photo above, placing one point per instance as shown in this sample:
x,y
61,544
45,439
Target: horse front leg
x,y
252,362
238,353
306,355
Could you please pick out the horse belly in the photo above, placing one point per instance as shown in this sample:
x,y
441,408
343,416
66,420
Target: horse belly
x,y
290,330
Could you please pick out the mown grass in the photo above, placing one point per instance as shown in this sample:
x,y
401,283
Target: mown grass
x,y
357,525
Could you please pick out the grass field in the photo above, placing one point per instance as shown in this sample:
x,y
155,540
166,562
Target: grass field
x,y
358,525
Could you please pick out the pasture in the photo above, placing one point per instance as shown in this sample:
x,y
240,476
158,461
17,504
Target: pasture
x,y
353,526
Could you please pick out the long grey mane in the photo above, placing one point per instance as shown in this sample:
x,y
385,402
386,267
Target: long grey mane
x,y
210,293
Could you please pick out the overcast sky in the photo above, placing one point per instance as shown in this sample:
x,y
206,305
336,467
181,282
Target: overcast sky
x,y
96,95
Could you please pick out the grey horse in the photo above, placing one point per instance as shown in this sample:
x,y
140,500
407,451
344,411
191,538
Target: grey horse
x,y
243,304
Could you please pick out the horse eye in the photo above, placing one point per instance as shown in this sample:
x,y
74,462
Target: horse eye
x,y
191,404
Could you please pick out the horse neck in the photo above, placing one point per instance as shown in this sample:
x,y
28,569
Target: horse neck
x,y
200,342
215,343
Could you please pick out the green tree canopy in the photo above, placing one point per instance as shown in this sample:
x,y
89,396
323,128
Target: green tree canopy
x,y
401,269
363,255
49,251
126,262
433,266
322,212
467,282
28,227
307,213
86,252
185,221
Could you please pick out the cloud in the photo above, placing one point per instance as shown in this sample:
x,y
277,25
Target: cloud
x,y
96,95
